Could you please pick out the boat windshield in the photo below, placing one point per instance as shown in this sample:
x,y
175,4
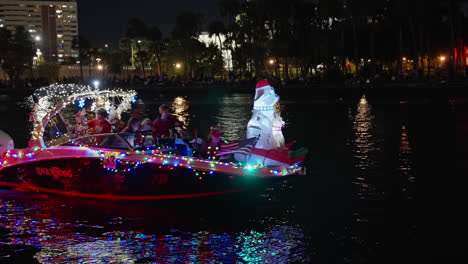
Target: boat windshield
x,y
113,141
139,140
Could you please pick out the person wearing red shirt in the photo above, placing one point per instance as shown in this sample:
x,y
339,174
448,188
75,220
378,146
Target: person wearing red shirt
x,y
163,126
117,125
100,125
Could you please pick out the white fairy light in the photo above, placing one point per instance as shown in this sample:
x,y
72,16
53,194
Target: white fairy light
x,y
53,98
107,106
93,106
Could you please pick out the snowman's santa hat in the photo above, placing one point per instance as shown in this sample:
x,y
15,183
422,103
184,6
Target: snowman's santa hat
x,y
262,84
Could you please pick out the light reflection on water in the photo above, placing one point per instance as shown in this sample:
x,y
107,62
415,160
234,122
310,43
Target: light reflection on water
x,y
179,108
365,147
59,237
321,222
405,157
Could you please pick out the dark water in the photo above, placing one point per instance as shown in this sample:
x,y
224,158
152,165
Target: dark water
x,y
384,185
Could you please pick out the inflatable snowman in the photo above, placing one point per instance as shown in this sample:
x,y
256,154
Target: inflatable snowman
x,y
263,114
266,124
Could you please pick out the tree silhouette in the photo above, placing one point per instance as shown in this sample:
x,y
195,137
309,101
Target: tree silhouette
x,y
216,28
137,32
156,45
186,31
19,52
83,45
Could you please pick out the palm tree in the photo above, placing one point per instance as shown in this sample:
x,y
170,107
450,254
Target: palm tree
x,y
186,30
83,45
156,45
5,36
216,28
125,46
229,8
115,62
137,31
20,53
303,29
333,9
91,54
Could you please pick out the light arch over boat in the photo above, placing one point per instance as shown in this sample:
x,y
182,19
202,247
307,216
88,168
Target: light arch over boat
x,y
52,99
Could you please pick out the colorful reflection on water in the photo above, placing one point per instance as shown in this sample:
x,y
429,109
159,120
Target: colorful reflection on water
x,y
355,206
405,157
59,236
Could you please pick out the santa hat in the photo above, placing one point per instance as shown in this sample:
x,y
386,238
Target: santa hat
x,y
262,84
113,115
214,131
81,113
135,113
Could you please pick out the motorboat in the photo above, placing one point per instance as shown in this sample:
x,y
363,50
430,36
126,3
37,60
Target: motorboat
x,y
116,166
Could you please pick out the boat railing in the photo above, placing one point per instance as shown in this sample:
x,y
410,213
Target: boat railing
x,y
144,141
105,140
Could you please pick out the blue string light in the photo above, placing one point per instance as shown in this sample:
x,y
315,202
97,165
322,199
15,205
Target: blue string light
x,y
81,103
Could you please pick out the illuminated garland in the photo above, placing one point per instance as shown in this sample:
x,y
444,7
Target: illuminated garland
x,y
51,99
177,161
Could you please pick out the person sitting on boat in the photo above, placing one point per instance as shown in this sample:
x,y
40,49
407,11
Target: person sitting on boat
x,y
146,125
164,125
134,123
212,144
80,129
117,124
142,132
100,124
277,138
196,143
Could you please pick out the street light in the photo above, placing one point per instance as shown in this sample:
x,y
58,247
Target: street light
x,y
37,38
271,61
100,67
96,84
178,65
404,58
106,45
442,58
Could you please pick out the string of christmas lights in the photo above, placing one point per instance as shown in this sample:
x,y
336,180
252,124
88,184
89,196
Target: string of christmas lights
x,y
51,99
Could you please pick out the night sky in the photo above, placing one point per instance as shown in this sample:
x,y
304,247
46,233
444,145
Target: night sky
x,y
104,21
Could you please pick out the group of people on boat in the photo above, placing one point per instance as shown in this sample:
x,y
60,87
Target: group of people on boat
x,y
264,126
164,128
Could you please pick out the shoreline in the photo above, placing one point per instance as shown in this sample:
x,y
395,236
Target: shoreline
x,y
453,88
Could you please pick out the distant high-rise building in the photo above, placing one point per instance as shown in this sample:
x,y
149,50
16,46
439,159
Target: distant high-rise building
x,y
52,24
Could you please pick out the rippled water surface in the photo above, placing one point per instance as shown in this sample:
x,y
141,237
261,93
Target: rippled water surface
x,y
376,167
